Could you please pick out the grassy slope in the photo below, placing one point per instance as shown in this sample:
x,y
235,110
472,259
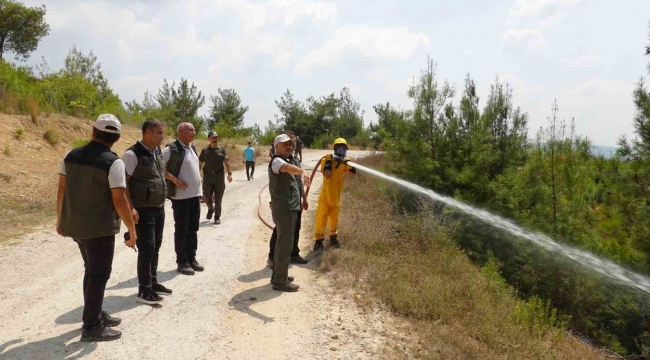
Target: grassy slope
x,y
30,172
410,265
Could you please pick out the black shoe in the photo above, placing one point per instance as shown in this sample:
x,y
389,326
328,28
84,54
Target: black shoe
x,y
318,245
289,279
101,333
185,269
196,266
269,262
148,297
334,242
298,260
160,289
217,221
109,320
288,287
210,212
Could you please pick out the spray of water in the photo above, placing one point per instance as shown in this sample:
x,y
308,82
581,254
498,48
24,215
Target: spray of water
x,y
607,268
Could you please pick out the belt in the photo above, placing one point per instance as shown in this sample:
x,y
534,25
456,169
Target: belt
x,y
213,172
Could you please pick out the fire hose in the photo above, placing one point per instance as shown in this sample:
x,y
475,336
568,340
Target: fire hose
x,y
259,195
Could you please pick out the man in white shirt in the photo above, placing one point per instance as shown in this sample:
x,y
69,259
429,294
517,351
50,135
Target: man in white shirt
x,y
184,189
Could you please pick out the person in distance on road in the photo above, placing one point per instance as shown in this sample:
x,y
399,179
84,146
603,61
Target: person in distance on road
x,y
147,190
333,167
212,160
285,206
249,160
295,252
91,200
299,146
184,188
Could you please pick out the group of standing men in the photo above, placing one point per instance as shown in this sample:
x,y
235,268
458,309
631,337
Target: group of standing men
x,y
97,189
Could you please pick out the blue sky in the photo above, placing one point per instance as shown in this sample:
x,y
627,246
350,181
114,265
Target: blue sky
x,y
587,54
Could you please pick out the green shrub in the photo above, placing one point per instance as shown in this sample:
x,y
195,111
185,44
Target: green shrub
x,y
79,143
51,136
539,316
18,135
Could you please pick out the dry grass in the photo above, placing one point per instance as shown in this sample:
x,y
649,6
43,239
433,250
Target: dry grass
x,y
410,264
33,110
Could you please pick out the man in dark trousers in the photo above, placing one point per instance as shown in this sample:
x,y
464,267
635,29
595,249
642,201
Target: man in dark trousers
x,y
212,159
298,150
249,160
295,252
285,206
145,177
91,199
184,189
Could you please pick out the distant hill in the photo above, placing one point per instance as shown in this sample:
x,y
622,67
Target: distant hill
x,y
606,151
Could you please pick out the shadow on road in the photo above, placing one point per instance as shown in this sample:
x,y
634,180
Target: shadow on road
x,y
52,348
112,304
133,282
264,273
242,301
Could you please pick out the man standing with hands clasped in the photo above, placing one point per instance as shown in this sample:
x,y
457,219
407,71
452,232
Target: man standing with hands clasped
x,y
91,199
145,177
212,160
285,207
184,188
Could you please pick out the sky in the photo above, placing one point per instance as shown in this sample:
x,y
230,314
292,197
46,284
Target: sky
x,y
586,54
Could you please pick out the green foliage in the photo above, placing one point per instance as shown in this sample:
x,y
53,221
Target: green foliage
x,y
51,136
79,143
539,316
18,135
21,28
226,110
320,119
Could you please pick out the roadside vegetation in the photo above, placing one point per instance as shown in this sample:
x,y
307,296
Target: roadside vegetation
x,y
408,261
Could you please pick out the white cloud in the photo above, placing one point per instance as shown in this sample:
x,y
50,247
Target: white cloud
x,y
530,37
397,43
469,52
582,61
377,73
533,8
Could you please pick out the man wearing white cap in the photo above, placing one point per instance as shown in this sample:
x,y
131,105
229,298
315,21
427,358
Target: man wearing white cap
x,y
284,187
90,202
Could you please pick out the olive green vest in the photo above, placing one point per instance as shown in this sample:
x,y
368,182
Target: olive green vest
x,y
284,189
147,185
176,158
88,210
213,158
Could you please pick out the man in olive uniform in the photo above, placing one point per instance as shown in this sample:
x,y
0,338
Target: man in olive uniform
x,y
145,177
91,200
212,160
285,207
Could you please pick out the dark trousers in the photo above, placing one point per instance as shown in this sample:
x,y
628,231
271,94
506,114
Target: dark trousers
x,y
285,222
98,261
214,183
296,237
250,165
298,155
186,224
150,234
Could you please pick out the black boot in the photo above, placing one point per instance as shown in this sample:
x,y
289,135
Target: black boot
x,y
318,245
109,320
210,212
334,242
100,333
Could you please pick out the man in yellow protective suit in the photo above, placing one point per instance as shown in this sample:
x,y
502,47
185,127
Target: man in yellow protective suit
x,y
334,167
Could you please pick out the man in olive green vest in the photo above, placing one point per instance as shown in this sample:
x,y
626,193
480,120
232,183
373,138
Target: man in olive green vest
x,y
147,190
212,159
91,199
285,207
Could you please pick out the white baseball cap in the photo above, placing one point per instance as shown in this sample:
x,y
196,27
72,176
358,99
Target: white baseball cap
x,y
108,123
280,139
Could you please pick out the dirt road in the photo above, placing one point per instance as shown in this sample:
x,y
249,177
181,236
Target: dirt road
x,y
229,311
